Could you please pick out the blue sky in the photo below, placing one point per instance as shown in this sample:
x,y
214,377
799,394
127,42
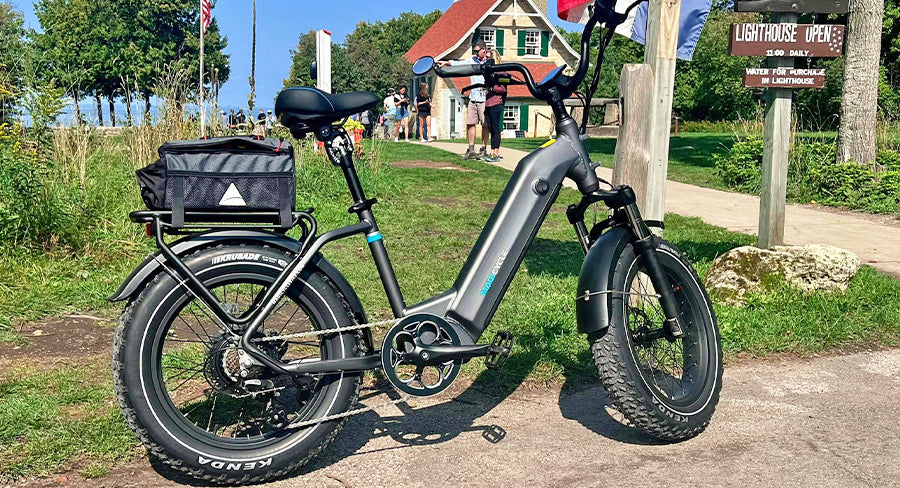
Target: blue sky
x,y
279,25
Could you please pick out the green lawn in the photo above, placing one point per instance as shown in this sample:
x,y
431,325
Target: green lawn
x,y
430,219
690,155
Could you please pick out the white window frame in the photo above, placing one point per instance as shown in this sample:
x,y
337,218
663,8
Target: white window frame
x,y
484,31
512,116
533,47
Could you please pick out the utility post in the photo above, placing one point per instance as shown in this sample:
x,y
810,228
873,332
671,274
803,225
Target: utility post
x,y
661,52
323,60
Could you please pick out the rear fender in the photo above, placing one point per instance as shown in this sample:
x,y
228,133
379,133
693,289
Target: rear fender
x,y
592,307
183,247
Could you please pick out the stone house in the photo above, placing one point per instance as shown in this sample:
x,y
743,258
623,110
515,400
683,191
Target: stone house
x,y
521,32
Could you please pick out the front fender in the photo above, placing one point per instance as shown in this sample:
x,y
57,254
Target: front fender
x,y
591,309
148,269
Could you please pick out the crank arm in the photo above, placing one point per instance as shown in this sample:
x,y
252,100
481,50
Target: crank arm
x,y
433,355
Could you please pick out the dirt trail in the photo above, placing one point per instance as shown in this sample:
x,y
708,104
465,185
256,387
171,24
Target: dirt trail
x,y
828,421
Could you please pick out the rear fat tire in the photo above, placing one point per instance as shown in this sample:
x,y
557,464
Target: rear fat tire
x,y
642,404
175,444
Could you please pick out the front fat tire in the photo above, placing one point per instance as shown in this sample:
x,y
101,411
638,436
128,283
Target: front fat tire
x,y
639,402
175,446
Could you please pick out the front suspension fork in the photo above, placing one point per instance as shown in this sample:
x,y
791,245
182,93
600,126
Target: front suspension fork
x,y
623,199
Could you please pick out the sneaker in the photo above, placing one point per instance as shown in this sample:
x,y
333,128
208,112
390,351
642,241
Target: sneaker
x,y
407,139
470,155
482,152
491,159
396,139
423,141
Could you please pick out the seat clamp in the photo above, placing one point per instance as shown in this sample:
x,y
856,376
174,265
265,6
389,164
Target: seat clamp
x,y
363,205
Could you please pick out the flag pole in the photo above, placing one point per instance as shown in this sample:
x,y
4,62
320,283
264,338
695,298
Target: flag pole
x,y
202,112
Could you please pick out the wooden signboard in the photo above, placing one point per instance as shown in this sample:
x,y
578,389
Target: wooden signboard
x,y
787,40
794,6
784,78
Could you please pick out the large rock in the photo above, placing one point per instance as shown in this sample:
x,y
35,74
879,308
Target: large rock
x,y
815,267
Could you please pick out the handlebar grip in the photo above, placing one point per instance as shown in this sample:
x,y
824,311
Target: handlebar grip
x,y
460,70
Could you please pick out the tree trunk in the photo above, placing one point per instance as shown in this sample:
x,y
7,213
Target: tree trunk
x,y
128,109
112,110
146,107
252,98
77,96
859,103
99,109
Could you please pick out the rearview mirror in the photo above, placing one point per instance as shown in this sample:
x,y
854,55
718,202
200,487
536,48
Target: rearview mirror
x,y
423,65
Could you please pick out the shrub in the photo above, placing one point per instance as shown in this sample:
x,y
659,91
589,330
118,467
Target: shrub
x,y
26,206
741,168
888,159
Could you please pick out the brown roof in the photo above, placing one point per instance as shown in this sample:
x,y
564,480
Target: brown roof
x,y
449,28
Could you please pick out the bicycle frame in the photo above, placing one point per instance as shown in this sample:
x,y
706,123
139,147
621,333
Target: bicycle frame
x,y
469,305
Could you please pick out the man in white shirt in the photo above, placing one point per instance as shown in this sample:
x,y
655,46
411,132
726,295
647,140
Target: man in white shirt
x,y
389,111
475,107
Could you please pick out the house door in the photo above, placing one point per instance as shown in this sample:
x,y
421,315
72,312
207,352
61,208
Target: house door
x,y
452,118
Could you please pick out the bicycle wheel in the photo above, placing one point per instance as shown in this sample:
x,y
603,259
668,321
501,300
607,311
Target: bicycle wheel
x,y
190,394
668,388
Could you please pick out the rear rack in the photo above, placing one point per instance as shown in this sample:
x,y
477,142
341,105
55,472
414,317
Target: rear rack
x,y
195,221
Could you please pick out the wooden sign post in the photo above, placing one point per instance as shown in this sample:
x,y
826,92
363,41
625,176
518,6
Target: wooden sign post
x,y
782,41
661,53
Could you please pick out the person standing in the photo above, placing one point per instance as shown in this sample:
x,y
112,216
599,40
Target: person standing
x,y
389,113
241,121
493,109
475,107
401,101
260,129
232,122
270,121
365,119
423,105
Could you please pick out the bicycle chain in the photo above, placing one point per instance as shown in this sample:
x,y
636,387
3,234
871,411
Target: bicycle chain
x,y
337,330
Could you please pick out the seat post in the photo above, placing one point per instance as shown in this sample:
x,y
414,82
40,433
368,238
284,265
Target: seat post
x,y
341,154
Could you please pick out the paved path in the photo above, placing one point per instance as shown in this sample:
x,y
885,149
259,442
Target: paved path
x,y
824,422
877,244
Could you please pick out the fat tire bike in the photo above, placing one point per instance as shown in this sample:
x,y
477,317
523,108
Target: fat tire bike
x,y
240,352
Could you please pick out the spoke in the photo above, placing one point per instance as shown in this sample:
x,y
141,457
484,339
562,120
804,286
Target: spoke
x,y
189,378
206,342
212,411
286,322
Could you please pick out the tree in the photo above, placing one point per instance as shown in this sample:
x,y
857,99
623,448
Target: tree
x,y
371,58
252,98
859,104
13,48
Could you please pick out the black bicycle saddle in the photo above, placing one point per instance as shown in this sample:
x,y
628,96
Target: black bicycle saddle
x,y
305,107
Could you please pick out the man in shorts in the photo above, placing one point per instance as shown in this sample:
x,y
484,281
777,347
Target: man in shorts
x,y
475,107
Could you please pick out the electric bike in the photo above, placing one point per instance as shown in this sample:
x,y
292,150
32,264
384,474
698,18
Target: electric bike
x,y
241,351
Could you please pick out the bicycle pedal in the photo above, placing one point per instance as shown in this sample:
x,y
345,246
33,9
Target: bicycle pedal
x,y
500,349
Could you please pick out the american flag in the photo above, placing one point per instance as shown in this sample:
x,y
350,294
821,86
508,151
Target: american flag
x,y
205,15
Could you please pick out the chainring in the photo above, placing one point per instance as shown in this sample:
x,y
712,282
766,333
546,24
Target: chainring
x,y
419,381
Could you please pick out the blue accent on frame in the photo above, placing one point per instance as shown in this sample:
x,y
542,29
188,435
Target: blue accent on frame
x,y
374,237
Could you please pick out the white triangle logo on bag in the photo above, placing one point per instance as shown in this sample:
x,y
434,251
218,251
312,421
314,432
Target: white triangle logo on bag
x,y
232,198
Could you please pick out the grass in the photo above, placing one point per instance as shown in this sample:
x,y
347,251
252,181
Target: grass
x,y
65,418
690,155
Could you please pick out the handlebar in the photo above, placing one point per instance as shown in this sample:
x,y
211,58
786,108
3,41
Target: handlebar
x,y
459,70
603,12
